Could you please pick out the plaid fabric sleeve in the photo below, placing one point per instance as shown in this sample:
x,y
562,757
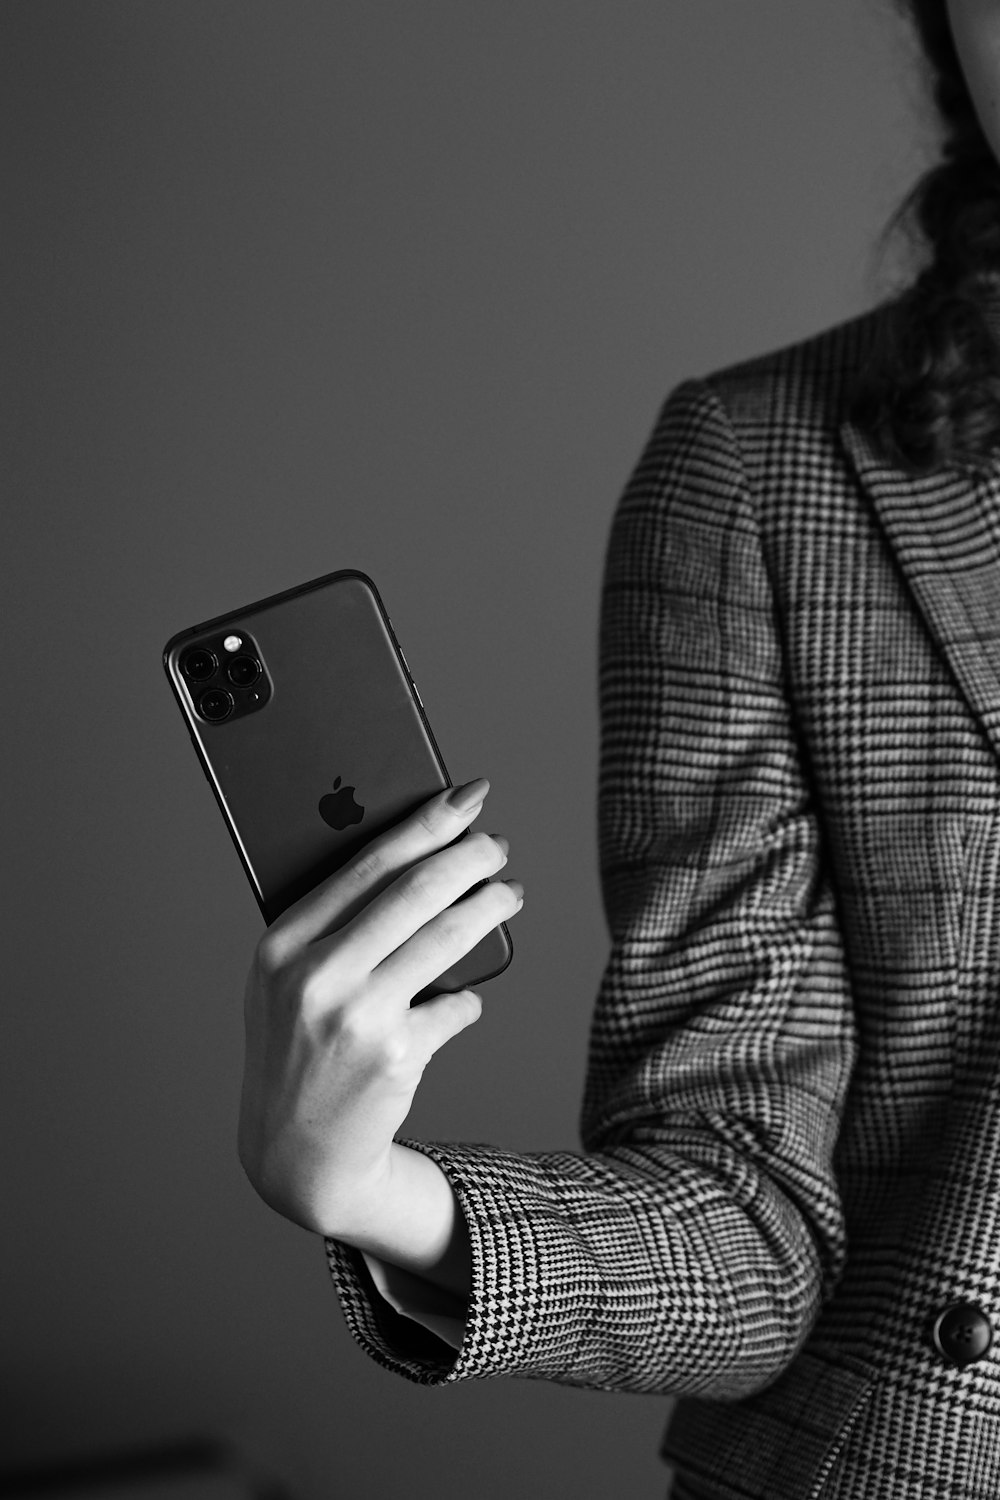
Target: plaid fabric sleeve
x,y
688,1248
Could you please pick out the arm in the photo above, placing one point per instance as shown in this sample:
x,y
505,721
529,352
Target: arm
x,y
688,1249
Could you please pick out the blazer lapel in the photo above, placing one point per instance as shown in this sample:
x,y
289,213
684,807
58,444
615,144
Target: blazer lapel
x,y
945,531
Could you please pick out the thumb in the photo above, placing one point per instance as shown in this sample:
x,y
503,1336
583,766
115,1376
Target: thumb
x,y
436,1021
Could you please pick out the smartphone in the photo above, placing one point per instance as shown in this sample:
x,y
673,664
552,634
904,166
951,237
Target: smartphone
x,y
314,739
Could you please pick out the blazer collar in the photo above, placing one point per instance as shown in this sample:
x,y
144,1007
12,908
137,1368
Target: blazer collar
x,y
945,531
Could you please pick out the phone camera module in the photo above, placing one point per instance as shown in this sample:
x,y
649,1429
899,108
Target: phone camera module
x,y
242,671
216,705
199,664
224,675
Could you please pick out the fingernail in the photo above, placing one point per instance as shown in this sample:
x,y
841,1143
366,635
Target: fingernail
x,y
464,798
516,887
498,838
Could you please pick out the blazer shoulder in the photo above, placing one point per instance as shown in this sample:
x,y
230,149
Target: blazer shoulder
x,y
742,436
804,388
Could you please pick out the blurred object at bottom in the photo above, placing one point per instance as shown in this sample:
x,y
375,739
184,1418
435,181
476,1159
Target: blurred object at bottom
x,y
197,1468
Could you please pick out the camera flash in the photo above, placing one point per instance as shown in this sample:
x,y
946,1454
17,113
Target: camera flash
x,y
233,642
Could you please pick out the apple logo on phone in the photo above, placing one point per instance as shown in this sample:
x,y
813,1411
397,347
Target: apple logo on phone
x,y
338,808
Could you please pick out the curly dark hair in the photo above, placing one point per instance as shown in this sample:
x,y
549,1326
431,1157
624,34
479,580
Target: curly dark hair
x,y
931,396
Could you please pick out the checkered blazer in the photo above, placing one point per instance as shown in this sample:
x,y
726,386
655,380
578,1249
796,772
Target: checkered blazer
x,y
791,1126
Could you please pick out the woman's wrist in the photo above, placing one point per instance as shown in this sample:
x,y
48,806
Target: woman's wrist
x,y
414,1220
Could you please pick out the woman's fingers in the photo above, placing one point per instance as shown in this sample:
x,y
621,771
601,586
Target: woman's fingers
x,y
416,896
446,938
436,1021
439,821
334,1048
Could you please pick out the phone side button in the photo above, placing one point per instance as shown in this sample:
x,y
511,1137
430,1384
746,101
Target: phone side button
x,y
409,674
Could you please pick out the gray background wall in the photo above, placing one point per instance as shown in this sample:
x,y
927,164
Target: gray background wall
x,y
291,287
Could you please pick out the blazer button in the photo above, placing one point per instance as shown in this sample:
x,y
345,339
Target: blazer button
x,y
962,1333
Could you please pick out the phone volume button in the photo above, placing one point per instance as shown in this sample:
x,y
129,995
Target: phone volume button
x,y
409,674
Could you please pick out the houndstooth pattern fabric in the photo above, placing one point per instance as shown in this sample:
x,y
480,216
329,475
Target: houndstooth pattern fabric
x,y
790,1131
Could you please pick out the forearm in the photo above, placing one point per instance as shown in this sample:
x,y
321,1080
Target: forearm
x,y
633,1269
416,1223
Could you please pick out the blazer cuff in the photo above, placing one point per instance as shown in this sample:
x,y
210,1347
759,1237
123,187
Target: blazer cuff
x,y
506,1310
394,1340
415,1297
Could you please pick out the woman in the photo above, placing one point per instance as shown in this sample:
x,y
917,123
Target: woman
x,y
786,1210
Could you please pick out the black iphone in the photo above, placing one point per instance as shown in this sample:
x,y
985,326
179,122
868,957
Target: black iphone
x,y
314,739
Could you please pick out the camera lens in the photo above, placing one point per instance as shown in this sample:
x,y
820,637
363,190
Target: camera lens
x,y
243,670
216,705
199,664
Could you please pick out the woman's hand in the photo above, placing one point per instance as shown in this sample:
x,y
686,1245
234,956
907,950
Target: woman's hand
x,y
334,1052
